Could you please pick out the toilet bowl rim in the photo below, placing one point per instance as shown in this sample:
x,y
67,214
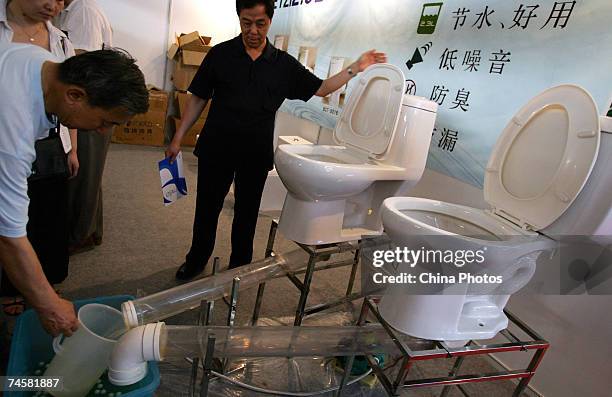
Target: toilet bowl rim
x,y
510,234
298,151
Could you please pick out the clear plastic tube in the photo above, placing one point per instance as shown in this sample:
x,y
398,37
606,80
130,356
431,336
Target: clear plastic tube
x,y
188,296
177,342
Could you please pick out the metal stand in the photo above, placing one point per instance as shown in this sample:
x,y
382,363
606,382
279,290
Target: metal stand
x,y
205,318
317,253
537,344
321,253
440,351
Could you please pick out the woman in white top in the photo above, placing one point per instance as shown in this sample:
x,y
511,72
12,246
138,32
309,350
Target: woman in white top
x,y
28,21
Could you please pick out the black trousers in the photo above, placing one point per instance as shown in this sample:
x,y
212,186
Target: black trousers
x,y
47,229
214,181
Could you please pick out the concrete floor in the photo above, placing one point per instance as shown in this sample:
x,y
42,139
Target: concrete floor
x,y
144,243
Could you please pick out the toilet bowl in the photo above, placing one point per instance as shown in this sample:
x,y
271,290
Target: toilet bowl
x,y
546,180
274,192
335,191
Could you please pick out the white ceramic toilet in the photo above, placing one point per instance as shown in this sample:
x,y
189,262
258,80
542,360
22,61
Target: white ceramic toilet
x,y
548,177
335,192
273,196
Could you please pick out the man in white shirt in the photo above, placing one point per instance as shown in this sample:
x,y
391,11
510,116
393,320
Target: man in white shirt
x,y
86,25
93,91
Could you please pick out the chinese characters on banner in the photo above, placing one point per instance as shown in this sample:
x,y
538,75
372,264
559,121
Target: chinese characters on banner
x,y
471,60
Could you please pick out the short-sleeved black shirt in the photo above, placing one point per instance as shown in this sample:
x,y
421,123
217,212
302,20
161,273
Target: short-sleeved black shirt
x,y
245,97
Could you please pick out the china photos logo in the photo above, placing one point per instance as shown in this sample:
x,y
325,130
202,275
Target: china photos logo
x,y
426,276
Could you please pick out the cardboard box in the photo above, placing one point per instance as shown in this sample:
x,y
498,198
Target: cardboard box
x,y
146,129
173,51
188,42
194,58
182,98
188,53
191,137
182,75
192,41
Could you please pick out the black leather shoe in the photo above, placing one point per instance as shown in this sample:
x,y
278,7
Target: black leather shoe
x,y
187,271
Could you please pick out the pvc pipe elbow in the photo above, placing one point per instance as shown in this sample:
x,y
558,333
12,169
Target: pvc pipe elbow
x,y
128,363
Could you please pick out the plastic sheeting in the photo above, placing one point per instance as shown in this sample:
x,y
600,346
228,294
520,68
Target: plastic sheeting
x,y
296,375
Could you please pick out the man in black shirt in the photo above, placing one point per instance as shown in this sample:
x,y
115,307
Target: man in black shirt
x,y
247,79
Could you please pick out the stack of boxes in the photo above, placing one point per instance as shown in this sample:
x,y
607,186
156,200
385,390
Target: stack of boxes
x,y
188,53
191,136
149,128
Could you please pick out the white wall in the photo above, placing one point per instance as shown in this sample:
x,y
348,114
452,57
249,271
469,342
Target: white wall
x,y
141,28
214,18
146,27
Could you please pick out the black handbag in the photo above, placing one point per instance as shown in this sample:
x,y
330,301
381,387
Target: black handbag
x,y
51,161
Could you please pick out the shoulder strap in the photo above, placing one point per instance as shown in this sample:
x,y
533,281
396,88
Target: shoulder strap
x,y
55,130
63,40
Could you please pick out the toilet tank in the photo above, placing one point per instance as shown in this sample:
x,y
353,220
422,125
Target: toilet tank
x,y
591,213
412,136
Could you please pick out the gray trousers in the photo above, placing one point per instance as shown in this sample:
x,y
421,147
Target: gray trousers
x,y
85,211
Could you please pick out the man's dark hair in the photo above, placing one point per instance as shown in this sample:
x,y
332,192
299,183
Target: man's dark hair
x,y
110,78
242,4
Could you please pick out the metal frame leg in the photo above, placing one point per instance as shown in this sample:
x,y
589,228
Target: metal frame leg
x,y
351,284
271,238
346,376
194,376
533,365
231,314
205,315
453,372
258,301
262,287
402,374
203,318
208,361
305,290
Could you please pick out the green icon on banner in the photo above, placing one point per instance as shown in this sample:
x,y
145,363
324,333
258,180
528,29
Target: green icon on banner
x,y
429,18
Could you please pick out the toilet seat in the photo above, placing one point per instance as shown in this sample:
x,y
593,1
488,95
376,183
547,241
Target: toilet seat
x,y
561,122
370,117
543,157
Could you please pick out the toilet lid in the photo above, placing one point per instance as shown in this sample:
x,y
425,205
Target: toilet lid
x,y
368,120
544,157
